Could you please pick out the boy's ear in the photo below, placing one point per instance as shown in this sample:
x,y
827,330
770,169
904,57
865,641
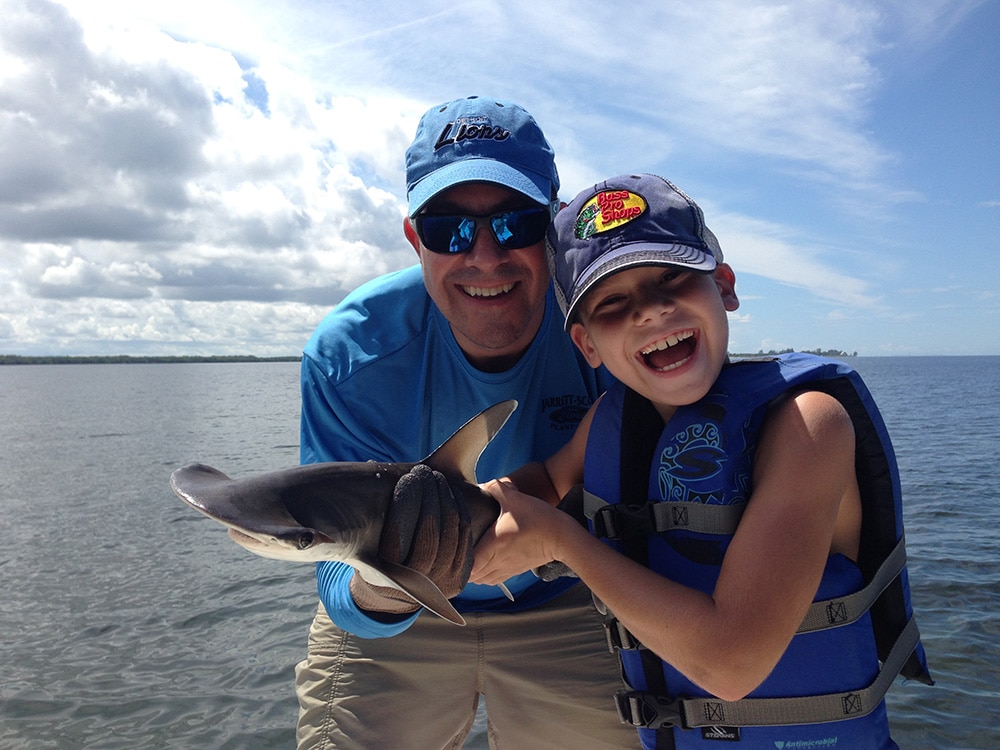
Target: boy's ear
x,y
725,280
582,340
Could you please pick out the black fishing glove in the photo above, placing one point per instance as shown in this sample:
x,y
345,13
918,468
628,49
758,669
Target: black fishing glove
x,y
427,529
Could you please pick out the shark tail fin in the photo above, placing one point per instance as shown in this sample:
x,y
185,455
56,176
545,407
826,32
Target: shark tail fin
x,y
459,454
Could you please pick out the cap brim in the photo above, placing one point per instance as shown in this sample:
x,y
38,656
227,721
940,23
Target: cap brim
x,y
535,186
636,255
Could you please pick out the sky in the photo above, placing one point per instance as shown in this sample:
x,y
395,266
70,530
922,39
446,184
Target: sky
x,y
211,178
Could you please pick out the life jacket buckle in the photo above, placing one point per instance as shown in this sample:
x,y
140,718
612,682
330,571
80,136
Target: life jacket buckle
x,y
620,521
619,636
649,710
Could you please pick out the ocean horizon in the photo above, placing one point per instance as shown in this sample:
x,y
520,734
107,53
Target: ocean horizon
x,y
130,621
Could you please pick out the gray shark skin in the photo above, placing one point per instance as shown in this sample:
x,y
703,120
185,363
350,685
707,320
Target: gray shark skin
x,y
335,511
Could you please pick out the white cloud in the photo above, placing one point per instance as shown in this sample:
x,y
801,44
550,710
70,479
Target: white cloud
x,y
181,172
150,143
770,250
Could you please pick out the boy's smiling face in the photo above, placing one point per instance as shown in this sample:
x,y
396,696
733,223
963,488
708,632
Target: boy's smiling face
x,y
662,331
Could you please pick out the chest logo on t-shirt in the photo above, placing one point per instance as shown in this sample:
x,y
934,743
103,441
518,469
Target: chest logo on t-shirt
x,y
565,412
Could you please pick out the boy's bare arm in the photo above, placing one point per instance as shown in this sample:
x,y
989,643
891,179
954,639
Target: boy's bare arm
x,y
552,479
729,641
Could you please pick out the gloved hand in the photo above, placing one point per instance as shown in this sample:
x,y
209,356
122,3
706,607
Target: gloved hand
x,y
427,529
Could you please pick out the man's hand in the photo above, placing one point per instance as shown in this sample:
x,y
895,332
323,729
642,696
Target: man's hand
x,y
426,529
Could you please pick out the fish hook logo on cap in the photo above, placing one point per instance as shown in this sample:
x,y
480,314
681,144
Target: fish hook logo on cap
x,y
607,210
627,221
478,139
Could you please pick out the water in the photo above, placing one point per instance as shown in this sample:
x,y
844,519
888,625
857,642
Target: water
x,y
129,621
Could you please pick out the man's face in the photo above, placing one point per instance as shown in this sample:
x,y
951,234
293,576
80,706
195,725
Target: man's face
x,y
493,298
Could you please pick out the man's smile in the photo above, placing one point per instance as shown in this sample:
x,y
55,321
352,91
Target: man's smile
x,y
488,291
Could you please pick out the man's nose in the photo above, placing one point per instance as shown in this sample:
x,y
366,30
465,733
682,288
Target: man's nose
x,y
485,251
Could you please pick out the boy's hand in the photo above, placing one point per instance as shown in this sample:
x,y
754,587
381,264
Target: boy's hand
x,y
523,537
426,529
571,504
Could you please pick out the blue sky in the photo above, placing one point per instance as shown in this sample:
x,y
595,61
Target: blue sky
x,y
185,177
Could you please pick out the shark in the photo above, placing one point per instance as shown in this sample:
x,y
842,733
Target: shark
x,y
336,510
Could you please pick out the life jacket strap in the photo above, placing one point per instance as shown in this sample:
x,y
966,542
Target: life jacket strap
x,y
619,637
822,615
618,521
657,711
843,610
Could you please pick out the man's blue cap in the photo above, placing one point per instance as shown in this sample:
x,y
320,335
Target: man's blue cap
x,y
627,221
479,140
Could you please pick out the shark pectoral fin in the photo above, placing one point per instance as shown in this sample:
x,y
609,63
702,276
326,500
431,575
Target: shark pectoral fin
x,y
422,589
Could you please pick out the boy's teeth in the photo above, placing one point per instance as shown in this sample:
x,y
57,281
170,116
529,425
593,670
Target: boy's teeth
x,y
668,342
662,355
482,291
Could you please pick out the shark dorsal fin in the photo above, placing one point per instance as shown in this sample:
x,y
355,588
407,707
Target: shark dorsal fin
x,y
459,454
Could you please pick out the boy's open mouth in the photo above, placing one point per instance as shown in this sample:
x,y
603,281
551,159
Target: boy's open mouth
x,y
671,352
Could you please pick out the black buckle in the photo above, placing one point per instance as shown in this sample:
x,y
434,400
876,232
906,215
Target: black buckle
x,y
619,636
649,710
618,521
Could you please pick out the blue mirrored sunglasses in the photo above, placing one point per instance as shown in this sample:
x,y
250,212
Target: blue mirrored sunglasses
x,y
451,235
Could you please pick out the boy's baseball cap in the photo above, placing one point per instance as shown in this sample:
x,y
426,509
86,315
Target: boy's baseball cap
x,y
478,139
626,221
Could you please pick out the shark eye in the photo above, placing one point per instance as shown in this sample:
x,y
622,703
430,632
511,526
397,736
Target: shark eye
x,y
305,540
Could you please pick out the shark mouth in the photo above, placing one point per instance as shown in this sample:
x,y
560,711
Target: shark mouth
x,y
670,353
490,291
301,541
242,538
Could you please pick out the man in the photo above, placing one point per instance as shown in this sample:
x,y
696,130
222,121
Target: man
x,y
396,368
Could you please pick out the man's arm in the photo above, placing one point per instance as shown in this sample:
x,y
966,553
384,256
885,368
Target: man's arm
x,y
324,437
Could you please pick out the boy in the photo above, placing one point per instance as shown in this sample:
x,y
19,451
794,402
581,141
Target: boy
x,y
731,497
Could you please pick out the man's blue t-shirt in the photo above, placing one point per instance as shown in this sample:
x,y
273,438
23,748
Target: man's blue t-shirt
x,y
384,379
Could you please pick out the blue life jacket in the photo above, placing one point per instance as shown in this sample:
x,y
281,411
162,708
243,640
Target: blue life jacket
x,y
675,508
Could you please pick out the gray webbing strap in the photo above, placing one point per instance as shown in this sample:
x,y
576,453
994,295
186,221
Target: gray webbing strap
x,y
828,613
831,613
812,709
653,711
723,519
615,521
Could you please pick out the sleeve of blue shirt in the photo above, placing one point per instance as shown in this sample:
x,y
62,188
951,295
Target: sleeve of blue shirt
x,y
319,418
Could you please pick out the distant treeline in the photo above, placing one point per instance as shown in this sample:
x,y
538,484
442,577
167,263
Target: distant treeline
x,y
16,359
831,353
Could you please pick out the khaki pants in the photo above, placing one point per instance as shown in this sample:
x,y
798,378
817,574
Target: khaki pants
x,y
546,674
